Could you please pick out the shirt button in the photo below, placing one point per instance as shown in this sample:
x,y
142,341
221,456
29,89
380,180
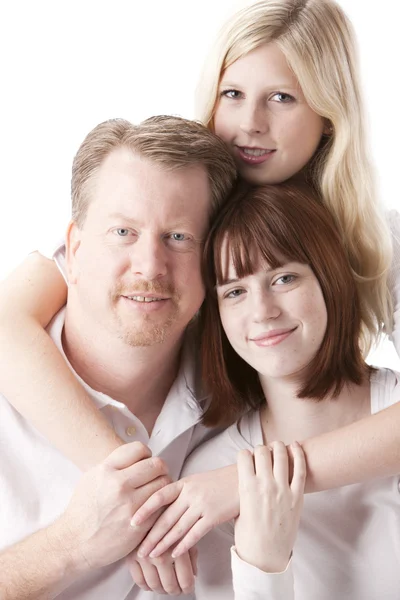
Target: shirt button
x,y
130,430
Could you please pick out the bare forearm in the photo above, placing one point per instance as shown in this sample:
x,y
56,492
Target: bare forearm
x,y
34,376
366,449
36,568
52,399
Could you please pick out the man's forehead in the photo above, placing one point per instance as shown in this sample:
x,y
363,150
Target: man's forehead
x,y
126,183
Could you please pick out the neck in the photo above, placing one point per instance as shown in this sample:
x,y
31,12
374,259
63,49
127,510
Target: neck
x,y
288,418
139,377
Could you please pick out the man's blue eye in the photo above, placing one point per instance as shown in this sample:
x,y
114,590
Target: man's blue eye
x,y
122,232
178,237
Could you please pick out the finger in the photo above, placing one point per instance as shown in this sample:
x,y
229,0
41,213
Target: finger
x,y
137,573
166,495
167,574
126,455
176,533
142,530
151,576
281,464
263,462
162,528
198,531
193,553
245,467
185,573
144,471
299,470
143,493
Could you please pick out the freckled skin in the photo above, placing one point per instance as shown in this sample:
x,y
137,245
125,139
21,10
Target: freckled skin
x,y
287,298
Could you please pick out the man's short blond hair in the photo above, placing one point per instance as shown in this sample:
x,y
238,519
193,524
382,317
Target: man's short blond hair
x,y
170,142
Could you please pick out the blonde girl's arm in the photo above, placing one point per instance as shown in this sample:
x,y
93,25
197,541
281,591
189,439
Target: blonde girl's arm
x,y
366,449
34,376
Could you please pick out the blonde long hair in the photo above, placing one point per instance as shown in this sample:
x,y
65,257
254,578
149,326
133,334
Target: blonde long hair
x,y
319,44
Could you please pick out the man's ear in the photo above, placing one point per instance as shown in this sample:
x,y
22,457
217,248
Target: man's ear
x,y
72,243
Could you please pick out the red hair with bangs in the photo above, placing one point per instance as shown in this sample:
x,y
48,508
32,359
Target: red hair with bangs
x,y
285,220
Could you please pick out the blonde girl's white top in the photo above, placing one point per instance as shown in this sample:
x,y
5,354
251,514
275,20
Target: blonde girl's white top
x,y
348,544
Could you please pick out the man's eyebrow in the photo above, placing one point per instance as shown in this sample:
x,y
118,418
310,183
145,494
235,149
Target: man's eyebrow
x,y
119,215
177,225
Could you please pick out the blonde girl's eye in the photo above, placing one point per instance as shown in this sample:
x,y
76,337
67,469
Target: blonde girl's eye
x,y
232,94
282,98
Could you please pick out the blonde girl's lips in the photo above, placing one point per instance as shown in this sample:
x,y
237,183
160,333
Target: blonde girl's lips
x,y
254,156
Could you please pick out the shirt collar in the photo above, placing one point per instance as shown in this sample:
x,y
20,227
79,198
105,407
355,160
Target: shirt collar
x,y
187,386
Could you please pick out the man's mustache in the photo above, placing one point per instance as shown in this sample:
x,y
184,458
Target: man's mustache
x,y
150,287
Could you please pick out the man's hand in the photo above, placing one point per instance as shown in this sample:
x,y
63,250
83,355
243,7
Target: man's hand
x,y
95,529
199,503
270,506
165,575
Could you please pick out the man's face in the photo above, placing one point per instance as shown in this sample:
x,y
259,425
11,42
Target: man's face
x,y
135,263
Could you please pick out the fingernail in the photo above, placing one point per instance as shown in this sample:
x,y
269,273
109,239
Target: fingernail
x,y
295,444
153,554
141,553
134,522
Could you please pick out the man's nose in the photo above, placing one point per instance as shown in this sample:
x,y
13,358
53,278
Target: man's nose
x,y
149,257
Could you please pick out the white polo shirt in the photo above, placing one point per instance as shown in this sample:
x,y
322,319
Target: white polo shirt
x,y
37,481
348,544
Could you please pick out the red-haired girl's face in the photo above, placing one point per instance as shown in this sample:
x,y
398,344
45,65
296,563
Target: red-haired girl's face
x,y
275,319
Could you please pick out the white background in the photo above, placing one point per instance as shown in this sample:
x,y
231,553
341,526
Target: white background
x,y
68,65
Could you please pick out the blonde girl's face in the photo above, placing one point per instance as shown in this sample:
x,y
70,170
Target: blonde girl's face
x,y
263,116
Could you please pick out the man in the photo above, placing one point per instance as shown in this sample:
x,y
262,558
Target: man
x,y
142,200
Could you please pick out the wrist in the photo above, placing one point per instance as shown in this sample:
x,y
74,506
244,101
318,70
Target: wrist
x,y
65,548
272,565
